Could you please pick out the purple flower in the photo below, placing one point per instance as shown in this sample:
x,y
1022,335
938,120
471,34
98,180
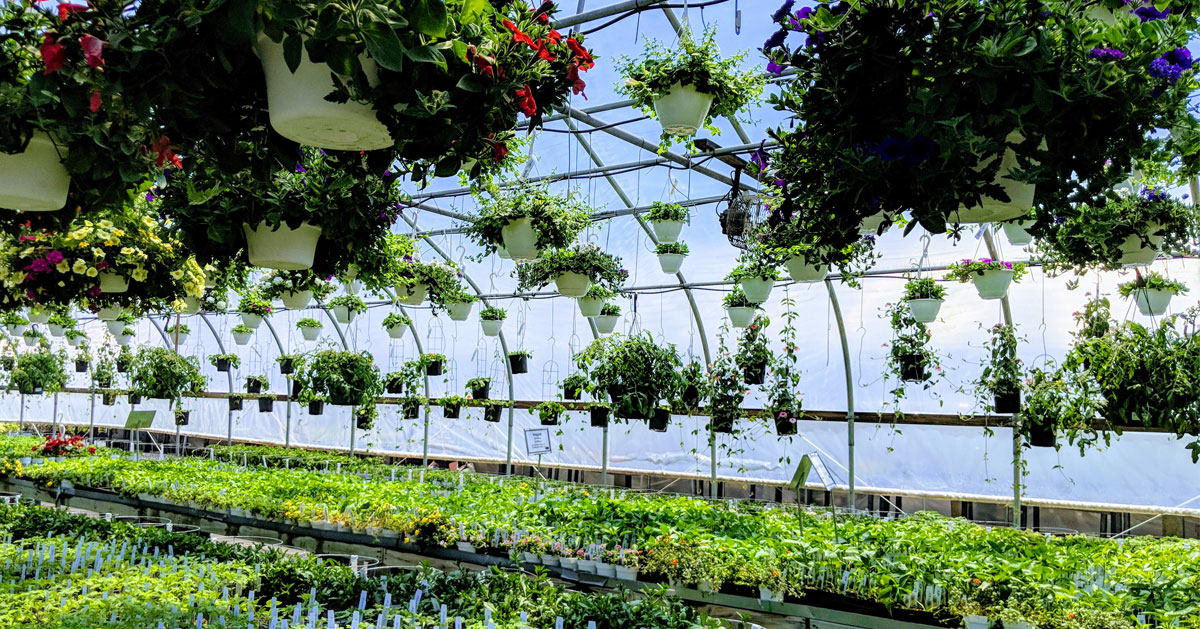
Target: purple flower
x,y
775,40
1152,194
783,10
891,149
300,168
54,257
1181,57
150,195
1106,54
774,68
1149,13
1162,69
760,157
801,15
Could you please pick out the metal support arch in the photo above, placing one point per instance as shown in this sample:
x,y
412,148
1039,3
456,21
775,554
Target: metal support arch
x,y
228,374
837,313
412,326
1016,418
287,428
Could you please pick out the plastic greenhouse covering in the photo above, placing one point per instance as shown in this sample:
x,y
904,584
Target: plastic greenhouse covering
x,y
1141,470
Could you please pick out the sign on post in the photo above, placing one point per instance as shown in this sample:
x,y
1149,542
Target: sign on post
x,y
537,441
138,420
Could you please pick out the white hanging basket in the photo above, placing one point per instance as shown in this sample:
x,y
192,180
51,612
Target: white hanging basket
x,y
397,331
285,249
682,110
109,313
299,111
670,262
870,225
76,341
757,290
34,180
413,295
30,340
520,239
1016,233
37,315
993,284
460,312
491,327
183,336
191,305
56,330
15,329
666,231
124,339
590,307
1134,253
925,310
1020,194
241,338
113,283
801,271
343,314
310,334
114,326
297,300
503,253
251,321
977,622
352,287
573,284
741,316
1152,302
605,324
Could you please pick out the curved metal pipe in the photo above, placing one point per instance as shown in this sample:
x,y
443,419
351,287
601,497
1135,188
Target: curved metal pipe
x,y
228,375
420,350
1016,418
287,429
841,324
166,339
336,326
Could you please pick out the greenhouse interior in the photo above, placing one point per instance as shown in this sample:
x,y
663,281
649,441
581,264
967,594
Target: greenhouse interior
x,y
691,313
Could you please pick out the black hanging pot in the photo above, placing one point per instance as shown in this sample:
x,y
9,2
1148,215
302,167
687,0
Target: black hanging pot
x,y
104,382
599,416
434,368
1008,402
223,364
755,374
690,396
122,365
182,417
253,385
784,424
451,411
912,368
658,423
519,363
341,399
316,407
108,399
362,423
412,409
629,409
722,422
572,393
492,413
297,388
481,393
235,403
266,404
81,366
134,399
287,366
549,421
8,362
1041,435
394,387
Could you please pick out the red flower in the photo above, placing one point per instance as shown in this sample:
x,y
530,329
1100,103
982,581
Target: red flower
x,y
485,66
577,84
554,36
499,151
162,146
65,9
581,54
95,104
544,53
543,19
519,36
93,50
525,101
53,54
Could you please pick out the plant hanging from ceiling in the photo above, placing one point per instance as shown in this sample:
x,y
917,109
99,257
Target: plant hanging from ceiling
x,y
634,372
585,265
527,219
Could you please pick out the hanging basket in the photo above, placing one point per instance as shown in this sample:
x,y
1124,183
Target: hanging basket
x,y
1152,302
81,366
667,231
299,111
1007,402
1017,233
518,363
670,262
113,283
491,327
459,311
39,316
266,404
414,295
296,301
434,368
191,305
182,417
56,330
912,368
242,338
572,393
755,374
757,290
15,329
310,334
343,314
1020,194
502,253
251,321
572,284
283,248
590,306
451,411
551,420
721,422
235,403
801,271
870,225
492,413
35,179
481,393
115,327
605,324
741,316
785,425
397,331
682,110
1135,253
520,239
253,385
1040,436
925,310
992,284
109,313
352,287
223,365
134,399
660,419
599,416
316,407
287,366
124,339
411,409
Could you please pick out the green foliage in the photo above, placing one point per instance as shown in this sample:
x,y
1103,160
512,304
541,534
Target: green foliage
x,y
1151,281
754,349
737,299
275,283
344,378
753,266
588,260
160,373
634,372
38,370
255,303
234,361
492,314
968,270
610,310
671,247
309,322
549,410
352,303
1093,234
662,212
478,383
923,288
557,219
241,328
396,319
1003,371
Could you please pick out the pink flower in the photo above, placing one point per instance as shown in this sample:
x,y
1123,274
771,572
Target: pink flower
x,y
93,50
54,257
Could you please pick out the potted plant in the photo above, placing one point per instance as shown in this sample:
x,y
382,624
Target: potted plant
x,y
433,363
726,393
287,363
526,220
32,337
126,336
598,414
103,372
548,412
667,220
38,372
411,406
670,256
75,338
1152,292
754,352
266,404
256,384
242,334
59,323
395,381
182,416
343,378
296,289
685,86
491,319
316,405
691,387
83,359
224,362
492,409
253,307
659,420
1047,404
14,323
591,303
1125,228
741,310
123,320
124,360
479,388
574,385
416,281
452,406
1002,374
518,361
991,277
235,402
160,373
756,276
909,355
607,320
634,372
310,328
573,271
924,297
459,304
346,307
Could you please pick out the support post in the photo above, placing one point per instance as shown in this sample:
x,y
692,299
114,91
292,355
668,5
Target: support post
x,y
604,457
508,454
353,429
837,313
1016,418
92,417
425,440
54,416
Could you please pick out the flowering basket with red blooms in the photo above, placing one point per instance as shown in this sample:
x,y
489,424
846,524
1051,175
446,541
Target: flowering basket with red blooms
x,y
445,78
62,71
66,267
62,445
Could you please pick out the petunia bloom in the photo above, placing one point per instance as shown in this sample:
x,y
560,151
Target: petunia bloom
x,y
525,101
577,84
65,9
93,50
53,54
586,62
94,105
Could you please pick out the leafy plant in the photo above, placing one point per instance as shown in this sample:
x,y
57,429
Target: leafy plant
x,y
492,314
967,270
588,260
610,310
923,288
662,212
1003,371
254,303
309,322
241,328
754,350
521,352
276,283
549,411
753,266
178,328
1151,281
557,219
344,378
737,299
634,372
233,360
1094,233
596,291
40,371
351,303
160,373
478,383
671,247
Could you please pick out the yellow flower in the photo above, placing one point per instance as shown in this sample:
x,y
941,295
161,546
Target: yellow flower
x,y
63,267
80,267
106,224
176,274
111,243
126,251
139,274
97,252
27,252
92,272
